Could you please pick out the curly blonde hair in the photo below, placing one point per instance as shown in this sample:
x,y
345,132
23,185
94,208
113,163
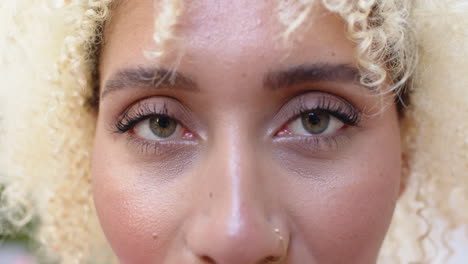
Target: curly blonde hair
x,y
420,46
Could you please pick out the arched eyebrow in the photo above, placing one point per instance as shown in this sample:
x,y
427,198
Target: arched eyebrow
x,y
161,78
319,72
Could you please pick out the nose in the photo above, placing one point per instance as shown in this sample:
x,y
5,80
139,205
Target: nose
x,y
235,221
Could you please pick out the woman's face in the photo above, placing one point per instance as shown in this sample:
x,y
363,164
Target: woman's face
x,y
252,150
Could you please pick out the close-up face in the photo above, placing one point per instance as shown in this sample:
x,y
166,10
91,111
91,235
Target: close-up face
x,y
238,146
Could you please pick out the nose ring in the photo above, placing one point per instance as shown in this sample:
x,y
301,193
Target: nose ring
x,y
284,247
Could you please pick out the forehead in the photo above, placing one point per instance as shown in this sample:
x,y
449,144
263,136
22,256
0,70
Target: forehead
x,y
224,33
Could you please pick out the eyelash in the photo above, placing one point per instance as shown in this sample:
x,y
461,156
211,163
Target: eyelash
x,y
342,110
345,112
128,120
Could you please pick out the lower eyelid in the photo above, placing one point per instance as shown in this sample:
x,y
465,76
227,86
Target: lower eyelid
x,y
158,148
314,145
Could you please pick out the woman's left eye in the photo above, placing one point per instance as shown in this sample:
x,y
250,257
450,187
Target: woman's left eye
x,y
314,122
158,127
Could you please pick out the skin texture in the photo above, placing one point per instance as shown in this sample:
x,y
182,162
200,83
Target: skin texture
x,y
216,192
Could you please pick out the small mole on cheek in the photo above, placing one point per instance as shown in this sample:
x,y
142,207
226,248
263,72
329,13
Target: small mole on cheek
x,y
155,236
210,195
333,54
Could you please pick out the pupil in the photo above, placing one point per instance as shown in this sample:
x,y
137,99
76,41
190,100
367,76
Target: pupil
x,y
314,119
163,122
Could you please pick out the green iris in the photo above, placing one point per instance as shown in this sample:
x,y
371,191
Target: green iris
x,y
162,126
315,122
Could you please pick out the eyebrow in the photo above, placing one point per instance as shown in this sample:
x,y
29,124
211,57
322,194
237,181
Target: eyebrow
x,y
319,72
148,78
159,78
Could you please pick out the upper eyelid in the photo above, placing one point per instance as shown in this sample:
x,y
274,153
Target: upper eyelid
x,y
140,101
327,104
323,101
143,110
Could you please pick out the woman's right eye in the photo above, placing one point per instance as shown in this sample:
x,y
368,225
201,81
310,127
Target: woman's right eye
x,y
157,128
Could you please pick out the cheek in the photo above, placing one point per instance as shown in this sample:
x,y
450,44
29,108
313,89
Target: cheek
x,y
359,209
343,208
137,208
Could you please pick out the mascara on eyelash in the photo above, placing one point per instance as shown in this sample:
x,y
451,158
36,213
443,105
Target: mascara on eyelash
x,y
129,119
346,113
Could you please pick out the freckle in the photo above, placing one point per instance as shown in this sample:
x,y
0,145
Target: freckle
x,y
244,75
155,236
211,195
333,54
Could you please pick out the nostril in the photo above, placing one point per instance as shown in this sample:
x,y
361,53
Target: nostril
x,y
267,260
207,260
270,259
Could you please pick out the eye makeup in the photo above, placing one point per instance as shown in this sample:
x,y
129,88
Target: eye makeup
x,y
152,107
320,102
137,116
343,114
334,105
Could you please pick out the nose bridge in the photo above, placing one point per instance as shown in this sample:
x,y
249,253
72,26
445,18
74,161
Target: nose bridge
x,y
234,226
238,175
